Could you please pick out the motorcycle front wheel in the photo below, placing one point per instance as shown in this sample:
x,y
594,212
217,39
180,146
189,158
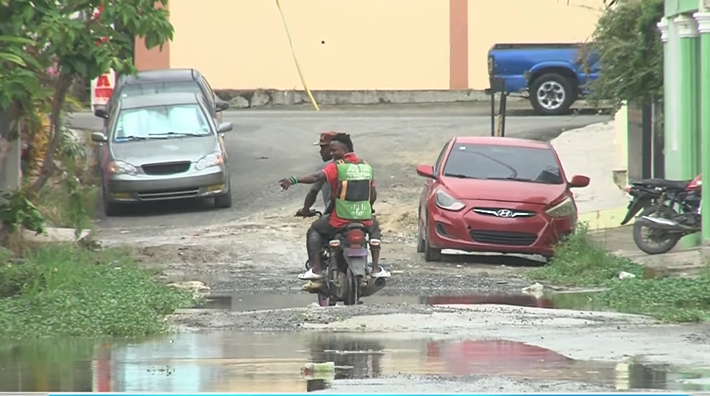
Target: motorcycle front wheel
x,y
657,241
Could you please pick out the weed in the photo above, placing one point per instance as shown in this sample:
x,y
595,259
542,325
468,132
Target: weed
x,y
63,290
669,299
57,203
580,261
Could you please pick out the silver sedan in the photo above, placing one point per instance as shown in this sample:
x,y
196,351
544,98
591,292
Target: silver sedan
x,y
162,147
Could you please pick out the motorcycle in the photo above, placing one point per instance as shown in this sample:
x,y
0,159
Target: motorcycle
x,y
346,268
671,210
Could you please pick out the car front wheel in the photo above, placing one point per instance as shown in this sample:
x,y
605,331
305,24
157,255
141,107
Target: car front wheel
x,y
225,200
430,254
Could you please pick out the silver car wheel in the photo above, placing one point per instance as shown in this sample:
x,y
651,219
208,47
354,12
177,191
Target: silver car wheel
x,y
551,95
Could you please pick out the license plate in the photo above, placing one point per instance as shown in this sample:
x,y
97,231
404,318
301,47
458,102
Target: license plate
x,y
362,252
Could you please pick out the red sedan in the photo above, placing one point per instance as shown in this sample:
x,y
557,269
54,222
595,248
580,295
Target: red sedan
x,y
492,194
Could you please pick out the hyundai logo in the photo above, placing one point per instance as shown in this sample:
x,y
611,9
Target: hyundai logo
x,y
504,213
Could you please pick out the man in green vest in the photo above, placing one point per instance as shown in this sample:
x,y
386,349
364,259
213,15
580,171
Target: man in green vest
x,y
353,191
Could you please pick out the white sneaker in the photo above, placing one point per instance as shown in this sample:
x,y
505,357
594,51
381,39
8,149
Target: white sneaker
x,y
309,275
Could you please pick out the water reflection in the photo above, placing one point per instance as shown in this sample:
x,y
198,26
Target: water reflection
x,y
273,362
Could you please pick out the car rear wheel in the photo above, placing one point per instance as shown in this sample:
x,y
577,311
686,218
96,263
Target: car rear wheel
x,y
552,94
430,253
225,200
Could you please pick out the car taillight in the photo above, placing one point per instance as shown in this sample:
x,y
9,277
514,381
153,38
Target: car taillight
x,y
697,183
356,236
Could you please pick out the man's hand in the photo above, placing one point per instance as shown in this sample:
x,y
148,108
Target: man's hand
x,y
285,183
304,212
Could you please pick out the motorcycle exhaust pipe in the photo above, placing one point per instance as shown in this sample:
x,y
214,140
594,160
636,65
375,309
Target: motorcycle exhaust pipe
x,y
373,286
660,223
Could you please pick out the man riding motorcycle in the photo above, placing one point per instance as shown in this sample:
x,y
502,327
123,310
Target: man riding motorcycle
x,y
353,191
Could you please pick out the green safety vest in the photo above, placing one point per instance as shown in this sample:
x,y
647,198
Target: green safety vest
x,y
352,200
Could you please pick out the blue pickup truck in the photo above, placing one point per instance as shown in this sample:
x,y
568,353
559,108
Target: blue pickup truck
x,y
553,76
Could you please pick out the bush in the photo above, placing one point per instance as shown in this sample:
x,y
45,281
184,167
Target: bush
x,y
64,290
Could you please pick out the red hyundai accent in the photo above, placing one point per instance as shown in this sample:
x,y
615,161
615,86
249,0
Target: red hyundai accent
x,y
493,194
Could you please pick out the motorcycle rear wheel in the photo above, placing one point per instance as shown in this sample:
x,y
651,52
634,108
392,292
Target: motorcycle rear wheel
x,y
665,240
351,295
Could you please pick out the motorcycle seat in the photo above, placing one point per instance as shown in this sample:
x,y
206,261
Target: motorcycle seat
x,y
674,184
351,226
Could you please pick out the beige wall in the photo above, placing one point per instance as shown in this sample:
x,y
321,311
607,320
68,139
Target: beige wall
x,y
525,21
369,44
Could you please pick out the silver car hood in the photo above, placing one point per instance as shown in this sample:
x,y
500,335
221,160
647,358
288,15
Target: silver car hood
x,y
172,149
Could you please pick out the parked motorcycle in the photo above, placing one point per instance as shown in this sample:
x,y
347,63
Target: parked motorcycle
x,y
346,269
669,209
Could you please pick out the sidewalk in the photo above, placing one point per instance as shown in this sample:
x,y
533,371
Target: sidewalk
x,y
591,151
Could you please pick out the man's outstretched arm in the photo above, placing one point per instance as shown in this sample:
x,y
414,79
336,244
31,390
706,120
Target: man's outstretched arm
x,y
312,178
308,179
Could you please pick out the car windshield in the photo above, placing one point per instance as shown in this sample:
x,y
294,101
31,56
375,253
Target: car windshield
x,y
157,122
160,87
490,162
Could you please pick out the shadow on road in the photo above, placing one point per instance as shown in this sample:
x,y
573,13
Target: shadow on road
x,y
161,208
493,259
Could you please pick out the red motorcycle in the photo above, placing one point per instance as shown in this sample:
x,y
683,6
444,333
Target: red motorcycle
x,y
671,210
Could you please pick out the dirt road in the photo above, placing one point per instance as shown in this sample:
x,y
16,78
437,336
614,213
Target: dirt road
x,y
259,245
252,253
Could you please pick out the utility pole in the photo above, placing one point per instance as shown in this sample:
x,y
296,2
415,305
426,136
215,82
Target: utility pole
x,y
688,49
10,174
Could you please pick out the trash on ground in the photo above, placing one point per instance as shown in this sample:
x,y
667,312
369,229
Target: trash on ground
x,y
625,275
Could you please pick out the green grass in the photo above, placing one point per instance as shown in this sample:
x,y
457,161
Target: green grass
x,y
579,261
64,290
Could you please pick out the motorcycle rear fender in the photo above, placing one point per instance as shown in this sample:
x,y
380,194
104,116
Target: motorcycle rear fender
x,y
357,265
635,206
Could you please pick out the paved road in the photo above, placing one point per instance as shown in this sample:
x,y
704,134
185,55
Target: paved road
x,y
267,145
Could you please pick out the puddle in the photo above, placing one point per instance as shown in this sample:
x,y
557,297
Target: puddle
x,y
566,300
265,301
259,301
273,362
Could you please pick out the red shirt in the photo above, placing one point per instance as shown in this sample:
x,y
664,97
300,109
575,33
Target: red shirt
x,y
331,176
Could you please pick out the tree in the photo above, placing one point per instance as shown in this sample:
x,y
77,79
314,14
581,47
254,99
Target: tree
x,y
73,41
631,53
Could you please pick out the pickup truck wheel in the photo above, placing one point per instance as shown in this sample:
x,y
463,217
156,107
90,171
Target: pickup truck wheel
x,y
552,94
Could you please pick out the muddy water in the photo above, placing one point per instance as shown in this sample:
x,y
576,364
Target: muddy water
x,y
273,362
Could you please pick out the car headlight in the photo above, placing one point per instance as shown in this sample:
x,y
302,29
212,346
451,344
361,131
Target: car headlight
x,y
122,168
447,202
563,209
209,161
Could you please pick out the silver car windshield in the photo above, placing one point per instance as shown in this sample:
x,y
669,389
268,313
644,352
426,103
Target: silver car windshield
x,y
160,122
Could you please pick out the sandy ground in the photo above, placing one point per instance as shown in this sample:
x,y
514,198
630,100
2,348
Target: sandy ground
x,y
258,246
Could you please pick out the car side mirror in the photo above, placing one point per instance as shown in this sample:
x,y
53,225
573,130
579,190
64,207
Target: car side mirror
x,y
221,106
225,127
101,113
426,171
98,137
579,181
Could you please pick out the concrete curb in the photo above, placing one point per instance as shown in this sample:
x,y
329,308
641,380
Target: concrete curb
x,y
242,99
604,219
